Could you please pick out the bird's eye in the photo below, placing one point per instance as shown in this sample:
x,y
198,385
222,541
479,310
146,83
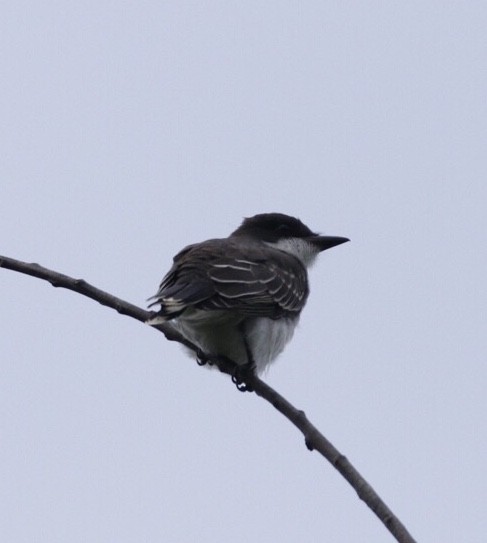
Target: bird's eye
x,y
283,229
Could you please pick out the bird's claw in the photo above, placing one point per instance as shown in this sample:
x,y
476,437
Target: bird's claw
x,y
201,358
240,377
240,374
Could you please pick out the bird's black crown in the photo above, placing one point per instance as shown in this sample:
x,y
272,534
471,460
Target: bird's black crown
x,y
272,227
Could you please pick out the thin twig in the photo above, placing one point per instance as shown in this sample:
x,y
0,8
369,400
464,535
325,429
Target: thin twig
x,y
313,438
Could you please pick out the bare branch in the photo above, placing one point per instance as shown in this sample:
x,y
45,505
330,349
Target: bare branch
x,y
313,438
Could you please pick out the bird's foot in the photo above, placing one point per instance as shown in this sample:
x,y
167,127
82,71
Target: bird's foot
x,y
241,375
202,359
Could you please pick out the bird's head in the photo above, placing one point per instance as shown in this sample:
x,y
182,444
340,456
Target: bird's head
x,y
288,234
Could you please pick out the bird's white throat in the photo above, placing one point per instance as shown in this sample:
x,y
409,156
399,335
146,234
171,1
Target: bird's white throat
x,y
302,249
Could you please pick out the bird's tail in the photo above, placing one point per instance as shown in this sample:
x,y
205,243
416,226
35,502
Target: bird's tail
x,y
170,308
157,319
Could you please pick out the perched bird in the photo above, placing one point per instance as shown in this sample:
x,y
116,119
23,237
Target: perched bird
x,y
241,296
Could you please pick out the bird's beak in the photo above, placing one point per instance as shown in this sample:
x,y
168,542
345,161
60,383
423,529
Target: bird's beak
x,y
326,242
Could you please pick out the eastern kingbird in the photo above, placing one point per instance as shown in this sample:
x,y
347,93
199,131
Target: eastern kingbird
x,y
241,296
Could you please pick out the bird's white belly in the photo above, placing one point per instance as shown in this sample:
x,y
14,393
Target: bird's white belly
x,y
217,333
268,338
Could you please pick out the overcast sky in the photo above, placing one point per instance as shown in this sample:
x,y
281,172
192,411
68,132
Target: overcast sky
x,y
130,129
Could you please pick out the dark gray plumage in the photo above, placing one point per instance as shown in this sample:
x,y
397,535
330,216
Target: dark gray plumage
x,y
235,276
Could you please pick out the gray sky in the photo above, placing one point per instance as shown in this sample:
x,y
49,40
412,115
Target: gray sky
x,y
130,129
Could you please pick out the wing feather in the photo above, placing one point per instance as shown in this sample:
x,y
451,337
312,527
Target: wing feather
x,y
225,275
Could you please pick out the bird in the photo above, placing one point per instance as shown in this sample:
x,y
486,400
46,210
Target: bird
x,y
241,297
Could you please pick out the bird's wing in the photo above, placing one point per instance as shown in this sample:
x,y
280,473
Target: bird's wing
x,y
223,275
